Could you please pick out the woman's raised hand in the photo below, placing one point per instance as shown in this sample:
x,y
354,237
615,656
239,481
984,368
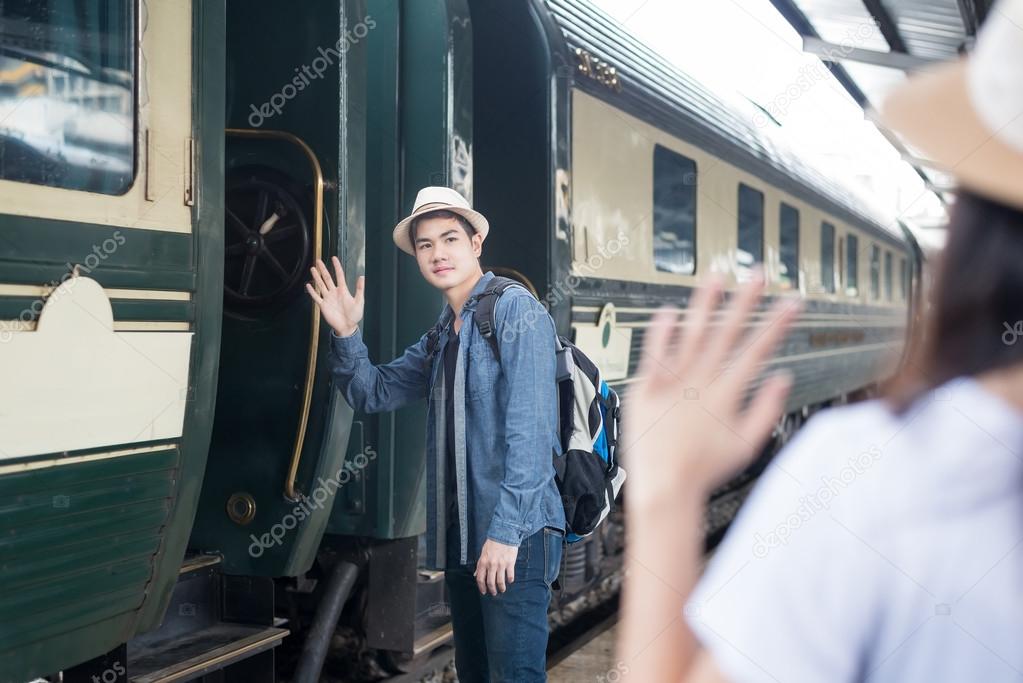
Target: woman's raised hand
x,y
683,420
339,308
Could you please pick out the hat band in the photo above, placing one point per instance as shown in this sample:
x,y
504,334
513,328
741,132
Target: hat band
x,y
436,206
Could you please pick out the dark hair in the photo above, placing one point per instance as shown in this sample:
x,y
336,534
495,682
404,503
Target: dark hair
x,y
977,301
440,213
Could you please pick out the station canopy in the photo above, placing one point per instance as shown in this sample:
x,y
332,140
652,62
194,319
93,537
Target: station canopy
x,y
871,45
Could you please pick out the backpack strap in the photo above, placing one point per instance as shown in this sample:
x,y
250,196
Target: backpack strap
x,y
432,340
484,314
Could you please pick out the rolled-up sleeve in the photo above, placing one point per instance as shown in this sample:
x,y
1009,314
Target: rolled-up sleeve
x,y
378,388
526,341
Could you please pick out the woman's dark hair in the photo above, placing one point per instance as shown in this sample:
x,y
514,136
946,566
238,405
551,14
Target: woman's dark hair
x,y
976,307
440,213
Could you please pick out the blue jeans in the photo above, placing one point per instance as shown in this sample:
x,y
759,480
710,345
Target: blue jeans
x,y
503,638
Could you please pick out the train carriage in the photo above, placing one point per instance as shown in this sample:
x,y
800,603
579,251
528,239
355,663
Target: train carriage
x,y
182,487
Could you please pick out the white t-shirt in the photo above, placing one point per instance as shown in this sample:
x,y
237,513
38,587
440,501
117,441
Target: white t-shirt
x,y
878,548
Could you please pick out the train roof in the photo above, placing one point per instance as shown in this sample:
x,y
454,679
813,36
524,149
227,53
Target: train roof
x,y
656,90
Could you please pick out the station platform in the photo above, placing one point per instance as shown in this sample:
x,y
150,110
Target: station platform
x,y
594,661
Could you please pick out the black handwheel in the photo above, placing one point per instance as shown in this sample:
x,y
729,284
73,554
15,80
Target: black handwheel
x,y
267,238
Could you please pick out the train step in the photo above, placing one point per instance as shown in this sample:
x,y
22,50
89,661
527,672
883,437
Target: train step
x,y
214,622
217,628
202,652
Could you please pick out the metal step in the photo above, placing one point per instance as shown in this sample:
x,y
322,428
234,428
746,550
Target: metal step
x,y
195,562
197,654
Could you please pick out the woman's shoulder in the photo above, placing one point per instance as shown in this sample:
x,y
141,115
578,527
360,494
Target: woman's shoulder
x,y
836,436
956,428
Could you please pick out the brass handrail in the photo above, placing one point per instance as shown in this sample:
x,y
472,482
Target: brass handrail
x,y
290,492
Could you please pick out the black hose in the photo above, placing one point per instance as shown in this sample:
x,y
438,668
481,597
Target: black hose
x,y
314,652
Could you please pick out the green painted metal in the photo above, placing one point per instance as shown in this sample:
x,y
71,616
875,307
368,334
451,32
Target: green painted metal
x,y
89,552
36,251
208,257
77,556
514,139
264,354
27,308
420,133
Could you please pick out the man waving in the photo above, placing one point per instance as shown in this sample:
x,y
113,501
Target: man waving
x,y
495,521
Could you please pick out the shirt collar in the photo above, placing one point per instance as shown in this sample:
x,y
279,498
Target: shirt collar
x,y
470,303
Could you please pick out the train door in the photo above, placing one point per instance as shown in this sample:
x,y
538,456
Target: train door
x,y
293,191
520,110
108,330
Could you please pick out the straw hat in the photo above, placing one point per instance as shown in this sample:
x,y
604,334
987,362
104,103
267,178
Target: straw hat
x,y
967,117
434,199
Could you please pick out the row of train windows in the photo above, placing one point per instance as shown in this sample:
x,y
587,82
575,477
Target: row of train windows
x,y
675,234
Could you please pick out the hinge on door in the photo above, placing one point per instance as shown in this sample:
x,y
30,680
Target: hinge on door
x,y
190,172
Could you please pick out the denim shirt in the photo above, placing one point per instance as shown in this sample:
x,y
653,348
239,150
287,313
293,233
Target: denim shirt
x,y
506,419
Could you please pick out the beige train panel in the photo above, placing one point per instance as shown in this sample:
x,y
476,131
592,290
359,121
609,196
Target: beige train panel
x,y
612,203
162,139
8,327
80,384
42,291
42,464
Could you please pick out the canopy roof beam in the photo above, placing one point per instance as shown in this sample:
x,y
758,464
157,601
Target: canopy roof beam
x,y
846,53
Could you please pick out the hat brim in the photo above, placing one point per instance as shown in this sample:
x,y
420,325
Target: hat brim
x,y
934,113
403,239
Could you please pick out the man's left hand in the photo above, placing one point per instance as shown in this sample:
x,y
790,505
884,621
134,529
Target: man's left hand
x,y
496,567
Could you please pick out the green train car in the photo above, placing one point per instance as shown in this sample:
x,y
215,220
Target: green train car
x,y
183,494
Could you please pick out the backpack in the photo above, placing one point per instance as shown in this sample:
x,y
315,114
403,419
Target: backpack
x,y
589,418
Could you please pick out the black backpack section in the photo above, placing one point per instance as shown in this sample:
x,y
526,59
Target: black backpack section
x,y
587,473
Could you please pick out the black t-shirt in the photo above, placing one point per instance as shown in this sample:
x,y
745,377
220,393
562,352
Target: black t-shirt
x,y
450,493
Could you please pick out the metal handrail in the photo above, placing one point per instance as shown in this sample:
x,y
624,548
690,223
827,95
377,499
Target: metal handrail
x,y
290,492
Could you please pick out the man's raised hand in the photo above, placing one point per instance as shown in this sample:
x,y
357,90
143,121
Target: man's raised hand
x,y
339,308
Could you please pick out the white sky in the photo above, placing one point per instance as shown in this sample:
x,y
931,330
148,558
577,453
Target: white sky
x,y
744,48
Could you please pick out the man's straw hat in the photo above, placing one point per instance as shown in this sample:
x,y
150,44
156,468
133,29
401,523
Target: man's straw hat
x,y
433,199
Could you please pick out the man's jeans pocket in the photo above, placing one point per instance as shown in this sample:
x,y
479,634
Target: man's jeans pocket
x,y
553,544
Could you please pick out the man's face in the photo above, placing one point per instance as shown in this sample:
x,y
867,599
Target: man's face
x,y
446,255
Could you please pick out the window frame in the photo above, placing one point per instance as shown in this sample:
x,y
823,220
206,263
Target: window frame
x,y
795,280
828,283
875,272
135,38
673,156
852,264
163,195
739,223
888,286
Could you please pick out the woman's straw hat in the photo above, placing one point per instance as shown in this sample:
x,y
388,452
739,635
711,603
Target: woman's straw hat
x,y
967,117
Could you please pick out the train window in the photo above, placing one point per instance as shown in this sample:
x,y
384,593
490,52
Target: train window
x,y
788,241
875,271
828,256
852,264
751,226
903,279
888,275
67,92
674,212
